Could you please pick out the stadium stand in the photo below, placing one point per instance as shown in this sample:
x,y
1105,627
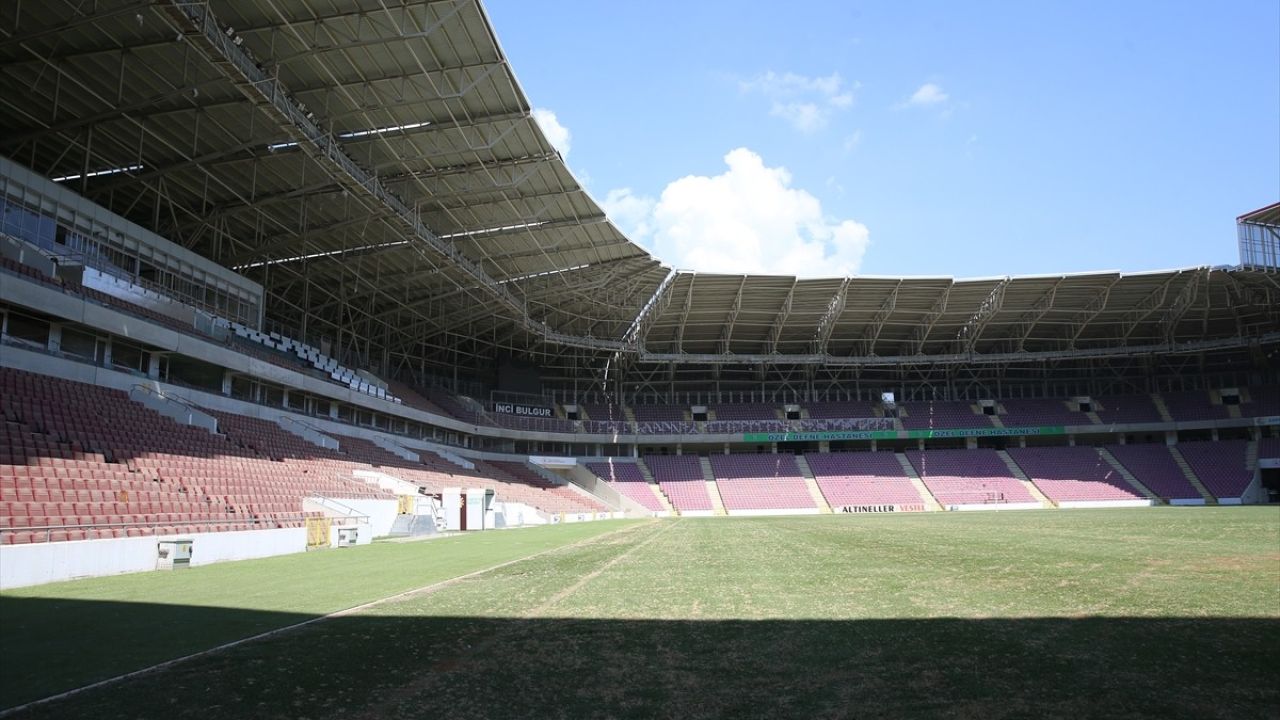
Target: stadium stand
x,y
1036,413
745,411
941,415
1155,468
1193,406
1220,466
1264,400
627,479
761,482
871,478
1072,474
680,477
115,466
1119,409
968,477
839,410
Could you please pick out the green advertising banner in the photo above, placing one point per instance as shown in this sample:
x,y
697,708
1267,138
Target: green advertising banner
x,y
831,435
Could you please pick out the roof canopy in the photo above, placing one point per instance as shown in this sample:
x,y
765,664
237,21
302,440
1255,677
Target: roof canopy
x,y
376,167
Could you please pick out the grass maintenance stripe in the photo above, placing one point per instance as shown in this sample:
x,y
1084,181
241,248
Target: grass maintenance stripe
x,y
426,589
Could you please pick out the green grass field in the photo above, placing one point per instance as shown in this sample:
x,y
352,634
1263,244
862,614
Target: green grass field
x,y
1114,613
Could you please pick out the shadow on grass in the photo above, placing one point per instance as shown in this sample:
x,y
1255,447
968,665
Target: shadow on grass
x,y
372,666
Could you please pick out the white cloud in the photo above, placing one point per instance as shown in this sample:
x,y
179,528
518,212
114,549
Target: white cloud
x,y
928,94
557,134
632,213
852,141
748,219
805,102
805,117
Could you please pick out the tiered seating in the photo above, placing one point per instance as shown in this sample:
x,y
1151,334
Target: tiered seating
x,y
1121,409
968,477
1037,413
1154,467
868,478
336,371
434,473
680,477
550,497
1264,400
454,406
603,413
745,411
413,398
1072,474
760,482
1193,406
82,462
1269,448
941,416
1219,465
662,419
627,479
603,419
834,410
29,272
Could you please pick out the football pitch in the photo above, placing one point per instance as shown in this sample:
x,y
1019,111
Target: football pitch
x,y
1162,612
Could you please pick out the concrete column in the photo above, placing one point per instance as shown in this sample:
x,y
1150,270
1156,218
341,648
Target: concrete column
x,y
153,365
55,337
1171,437
971,443
226,383
773,448
284,399
333,410
1214,434
1071,441
106,354
825,445
1022,441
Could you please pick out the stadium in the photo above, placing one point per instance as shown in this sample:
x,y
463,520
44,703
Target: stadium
x,y
328,390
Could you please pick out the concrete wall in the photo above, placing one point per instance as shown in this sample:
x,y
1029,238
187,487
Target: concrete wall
x,y
1105,503
39,563
995,506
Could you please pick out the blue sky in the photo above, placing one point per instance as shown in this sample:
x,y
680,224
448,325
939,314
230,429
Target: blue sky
x,y
913,138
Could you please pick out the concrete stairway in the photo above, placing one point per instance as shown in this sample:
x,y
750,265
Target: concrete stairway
x,y
1190,475
1250,452
717,502
1026,481
1161,408
1094,417
812,483
995,419
656,488
1123,471
926,496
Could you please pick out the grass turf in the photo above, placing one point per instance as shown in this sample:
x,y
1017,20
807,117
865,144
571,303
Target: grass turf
x,y
1121,613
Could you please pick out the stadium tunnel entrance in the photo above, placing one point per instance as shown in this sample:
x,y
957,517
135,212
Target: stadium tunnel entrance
x,y
1271,484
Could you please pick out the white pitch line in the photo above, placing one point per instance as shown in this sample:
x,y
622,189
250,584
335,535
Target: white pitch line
x,y
425,589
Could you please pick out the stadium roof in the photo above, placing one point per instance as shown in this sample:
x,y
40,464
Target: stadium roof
x,y
376,167
1269,215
